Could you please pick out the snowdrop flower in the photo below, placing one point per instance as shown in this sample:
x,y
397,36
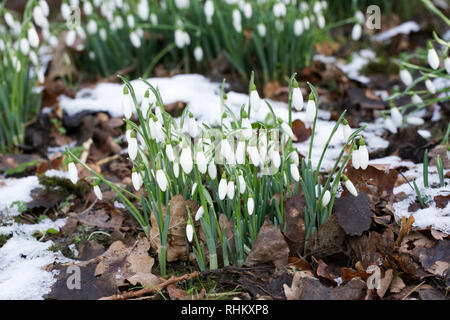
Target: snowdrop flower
x,y
389,124
65,11
297,97
321,21
356,158
363,154
92,27
255,100
254,155
359,16
136,179
349,185
127,104
298,27
156,130
81,33
230,189
24,46
34,58
432,56
240,152
201,162
9,19
143,10
199,213
73,172
294,157
242,185
417,100
447,64
182,4
262,145
356,32
396,117
405,76
209,11
287,129
326,198
346,130
225,148
294,172
130,21
311,109
162,180
189,231
186,160
39,17
87,8
261,30
33,37
198,54
279,10
176,169
306,23
237,24
250,205
132,146
275,157
179,38
154,19
223,187
415,121
193,127
70,38
212,170
248,10
430,86
135,39
98,192
246,125
169,152
158,114
424,133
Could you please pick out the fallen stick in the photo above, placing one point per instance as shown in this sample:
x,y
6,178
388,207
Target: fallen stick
x,y
158,288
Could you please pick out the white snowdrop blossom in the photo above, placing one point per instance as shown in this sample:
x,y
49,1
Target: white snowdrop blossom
x,y
356,160
433,58
73,172
98,192
255,100
162,180
135,39
237,20
186,160
199,213
127,103
447,65
396,117
356,32
250,206
201,162
223,188
24,46
261,30
416,99
87,8
298,27
279,10
212,170
91,27
33,37
326,198
346,130
143,10
310,110
230,190
136,179
132,146
294,172
287,130
242,184
430,86
415,121
349,186
70,37
182,4
363,154
189,232
297,97
406,77
209,11
198,54
390,125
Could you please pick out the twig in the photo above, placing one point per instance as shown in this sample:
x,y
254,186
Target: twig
x,y
141,292
414,289
108,159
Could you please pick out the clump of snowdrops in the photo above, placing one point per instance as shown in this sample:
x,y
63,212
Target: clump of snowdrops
x,y
234,168
276,37
432,67
20,72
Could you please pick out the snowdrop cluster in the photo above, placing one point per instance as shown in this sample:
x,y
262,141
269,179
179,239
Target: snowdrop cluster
x,y
234,168
432,68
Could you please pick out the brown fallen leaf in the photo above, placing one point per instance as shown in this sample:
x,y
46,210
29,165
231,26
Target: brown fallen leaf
x,y
176,240
105,217
328,239
306,287
405,227
301,132
442,201
353,213
132,264
397,285
269,246
436,260
385,283
427,292
294,225
322,271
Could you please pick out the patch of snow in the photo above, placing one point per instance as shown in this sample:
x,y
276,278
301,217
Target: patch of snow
x,y
359,60
404,28
324,59
434,217
373,135
57,173
22,261
51,151
16,189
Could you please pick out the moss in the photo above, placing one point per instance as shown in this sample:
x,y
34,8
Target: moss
x,y
382,65
64,186
4,238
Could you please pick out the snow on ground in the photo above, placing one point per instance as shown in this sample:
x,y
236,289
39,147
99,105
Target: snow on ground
x,y
23,257
404,28
437,218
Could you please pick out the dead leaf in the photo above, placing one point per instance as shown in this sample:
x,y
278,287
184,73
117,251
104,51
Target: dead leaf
x,y
405,227
269,246
176,240
105,217
306,287
442,201
301,132
353,213
294,225
427,292
397,285
328,240
274,91
385,282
